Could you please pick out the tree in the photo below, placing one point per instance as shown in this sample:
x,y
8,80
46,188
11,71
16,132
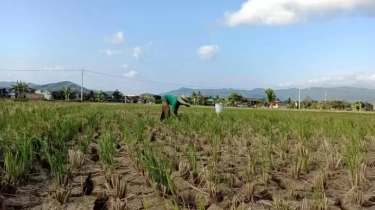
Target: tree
x,y
90,95
58,95
307,102
117,95
66,92
20,88
357,106
73,94
233,98
194,97
200,98
289,101
103,95
271,96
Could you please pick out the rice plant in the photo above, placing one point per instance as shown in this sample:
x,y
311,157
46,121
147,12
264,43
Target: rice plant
x,y
107,150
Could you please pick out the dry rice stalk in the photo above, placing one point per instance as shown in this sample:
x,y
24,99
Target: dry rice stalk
x,y
304,205
213,189
76,159
183,169
250,189
333,161
117,204
356,195
62,195
234,180
280,204
115,184
318,182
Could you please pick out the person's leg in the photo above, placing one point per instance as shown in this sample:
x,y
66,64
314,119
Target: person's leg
x,y
165,113
162,113
167,110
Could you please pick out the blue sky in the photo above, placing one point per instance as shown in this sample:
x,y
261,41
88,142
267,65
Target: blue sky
x,y
244,44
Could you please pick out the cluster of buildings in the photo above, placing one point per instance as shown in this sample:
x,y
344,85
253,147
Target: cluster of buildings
x,y
37,95
47,95
141,99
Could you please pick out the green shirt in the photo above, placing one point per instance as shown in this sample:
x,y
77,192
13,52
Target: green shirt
x,y
171,100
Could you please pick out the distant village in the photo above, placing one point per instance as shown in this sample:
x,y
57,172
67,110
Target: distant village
x,y
20,91
66,94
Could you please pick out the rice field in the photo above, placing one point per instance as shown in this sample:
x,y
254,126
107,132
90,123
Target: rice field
x,y
120,156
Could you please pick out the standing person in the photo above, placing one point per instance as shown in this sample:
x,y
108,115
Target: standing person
x,y
174,102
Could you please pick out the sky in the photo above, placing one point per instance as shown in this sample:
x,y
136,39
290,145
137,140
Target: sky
x,y
157,46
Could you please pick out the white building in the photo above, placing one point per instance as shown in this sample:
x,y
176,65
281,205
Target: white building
x,y
46,94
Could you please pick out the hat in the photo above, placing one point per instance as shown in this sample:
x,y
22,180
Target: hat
x,y
182,100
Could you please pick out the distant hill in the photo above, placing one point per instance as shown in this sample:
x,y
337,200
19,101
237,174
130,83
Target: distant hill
x,y
9,84
50,86
350,94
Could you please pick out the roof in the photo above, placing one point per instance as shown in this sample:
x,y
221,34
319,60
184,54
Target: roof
x,y
252,99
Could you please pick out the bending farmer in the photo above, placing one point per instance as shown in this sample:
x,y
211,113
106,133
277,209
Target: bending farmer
x,y
174,102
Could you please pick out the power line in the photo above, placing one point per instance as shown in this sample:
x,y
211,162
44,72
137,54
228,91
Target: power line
x,y
107,83
166,83
37,70
128,78
150,81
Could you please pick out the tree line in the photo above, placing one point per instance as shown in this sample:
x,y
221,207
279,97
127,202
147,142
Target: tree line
x,y
197,98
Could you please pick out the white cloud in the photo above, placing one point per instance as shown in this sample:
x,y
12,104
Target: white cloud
x,y
283,12
131,74
356,79
116,38
125,66
51,68
137,52
285,85
111,52
207,52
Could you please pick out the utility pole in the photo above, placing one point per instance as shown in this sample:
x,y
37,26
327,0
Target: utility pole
x,y
299,98
82,87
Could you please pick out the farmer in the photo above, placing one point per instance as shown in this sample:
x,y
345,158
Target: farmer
x,y
174,102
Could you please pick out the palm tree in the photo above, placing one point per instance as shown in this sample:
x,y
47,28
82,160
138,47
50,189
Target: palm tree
x,y
271,96
20,88
66,92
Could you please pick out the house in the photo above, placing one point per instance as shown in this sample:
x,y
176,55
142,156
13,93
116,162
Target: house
x,y
11,95
210,102
253,102
46,94
34,96
279,104
249,102
128,98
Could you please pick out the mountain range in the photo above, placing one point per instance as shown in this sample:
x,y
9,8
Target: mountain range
x,y
50,86
350,94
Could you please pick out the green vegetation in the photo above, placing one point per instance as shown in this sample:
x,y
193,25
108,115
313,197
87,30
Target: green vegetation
x,y
242,158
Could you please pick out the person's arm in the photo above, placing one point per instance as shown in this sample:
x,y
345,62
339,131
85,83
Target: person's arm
x,y
175,107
